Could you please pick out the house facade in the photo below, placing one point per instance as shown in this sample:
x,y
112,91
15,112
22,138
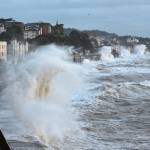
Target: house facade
x,y
17,50
45,28
3,50
31,34
33,30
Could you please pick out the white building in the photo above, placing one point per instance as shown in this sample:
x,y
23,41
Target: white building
x,y
17,50
3,50
30,34
132,40
33,30
2,28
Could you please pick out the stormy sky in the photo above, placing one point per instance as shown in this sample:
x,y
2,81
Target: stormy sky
x,y
118,16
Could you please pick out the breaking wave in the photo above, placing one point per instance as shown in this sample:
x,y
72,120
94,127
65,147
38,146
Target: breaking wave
x,y
123,53
41,90
106,54
139,49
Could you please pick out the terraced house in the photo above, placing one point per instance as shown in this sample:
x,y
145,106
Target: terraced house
x,y
3,51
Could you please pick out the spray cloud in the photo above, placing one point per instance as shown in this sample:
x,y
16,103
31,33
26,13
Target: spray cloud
x,y
106,54
139,49
41,89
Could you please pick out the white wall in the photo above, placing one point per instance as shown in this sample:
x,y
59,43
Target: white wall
x,y
18,50
3,50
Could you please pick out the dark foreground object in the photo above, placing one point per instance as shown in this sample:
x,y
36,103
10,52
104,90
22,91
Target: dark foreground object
x,y
3,143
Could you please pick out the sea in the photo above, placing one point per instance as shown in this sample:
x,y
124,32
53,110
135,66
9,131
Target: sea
x,y
49,103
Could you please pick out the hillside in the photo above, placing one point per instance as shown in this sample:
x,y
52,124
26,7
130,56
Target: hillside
x,y
100,38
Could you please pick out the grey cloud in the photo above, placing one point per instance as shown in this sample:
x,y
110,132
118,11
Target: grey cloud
x,y
121,16
63,4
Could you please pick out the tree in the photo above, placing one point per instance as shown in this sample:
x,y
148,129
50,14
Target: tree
x,y
81,40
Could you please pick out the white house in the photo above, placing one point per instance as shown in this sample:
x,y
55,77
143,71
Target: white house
x,y
33,30
132,40
30,34
17,50
3,50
